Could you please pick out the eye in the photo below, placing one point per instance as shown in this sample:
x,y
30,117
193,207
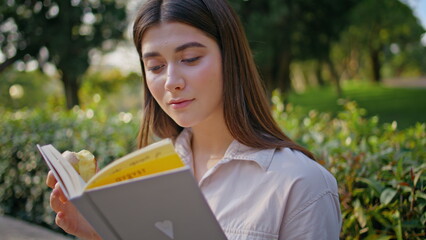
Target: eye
x,y
156,69
190,60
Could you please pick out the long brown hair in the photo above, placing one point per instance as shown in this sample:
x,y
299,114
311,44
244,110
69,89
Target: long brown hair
x,y
246,108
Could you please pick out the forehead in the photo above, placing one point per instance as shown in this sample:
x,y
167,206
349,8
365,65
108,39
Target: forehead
x,y
172,34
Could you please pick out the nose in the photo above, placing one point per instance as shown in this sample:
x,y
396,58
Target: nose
x,y
174,81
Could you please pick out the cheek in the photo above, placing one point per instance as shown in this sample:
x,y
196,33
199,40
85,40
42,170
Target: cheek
x,y
156,89
210,75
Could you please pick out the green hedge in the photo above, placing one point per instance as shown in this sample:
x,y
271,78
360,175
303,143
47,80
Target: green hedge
x,y
380,169
23,193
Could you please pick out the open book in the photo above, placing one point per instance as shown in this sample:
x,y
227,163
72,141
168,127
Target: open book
x,y
147,194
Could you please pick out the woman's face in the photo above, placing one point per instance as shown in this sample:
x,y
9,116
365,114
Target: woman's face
x,y
183,69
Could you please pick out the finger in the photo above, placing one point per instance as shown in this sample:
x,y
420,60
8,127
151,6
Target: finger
x,y
57,199
55,203
50,180
63,223
67,220
73,223
60,193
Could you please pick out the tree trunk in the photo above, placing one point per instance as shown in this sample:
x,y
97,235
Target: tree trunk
x,y
283,74
318,73
334,76
376,65
71,87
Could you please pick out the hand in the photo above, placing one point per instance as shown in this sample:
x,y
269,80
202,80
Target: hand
x,y
67,216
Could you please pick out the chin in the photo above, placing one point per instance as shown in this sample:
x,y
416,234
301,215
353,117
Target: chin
x,y
185,123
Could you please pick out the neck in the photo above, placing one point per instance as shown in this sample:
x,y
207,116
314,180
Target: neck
x,y
208,147
210,140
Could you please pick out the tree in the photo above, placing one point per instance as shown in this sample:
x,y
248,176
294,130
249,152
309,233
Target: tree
x,y
283,31
378,24
62,32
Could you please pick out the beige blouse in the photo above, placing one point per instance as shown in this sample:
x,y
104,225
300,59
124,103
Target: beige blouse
x,y
259,194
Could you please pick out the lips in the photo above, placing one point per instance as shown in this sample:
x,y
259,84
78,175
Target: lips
x,y
180,103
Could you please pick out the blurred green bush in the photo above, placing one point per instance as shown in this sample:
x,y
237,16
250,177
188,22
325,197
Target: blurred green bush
x,y
24,89
109,89
380,169
23,193
113,89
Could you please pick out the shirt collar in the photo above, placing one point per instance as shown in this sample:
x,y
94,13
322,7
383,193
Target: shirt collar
x,y
183,146
235,151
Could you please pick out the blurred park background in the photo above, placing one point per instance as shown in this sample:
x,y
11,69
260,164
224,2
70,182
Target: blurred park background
x,y
346,79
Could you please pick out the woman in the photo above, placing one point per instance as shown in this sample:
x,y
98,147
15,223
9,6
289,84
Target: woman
x,y
202,90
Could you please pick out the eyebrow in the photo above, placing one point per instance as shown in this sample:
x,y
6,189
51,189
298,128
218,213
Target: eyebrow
x,y
178,49
189,45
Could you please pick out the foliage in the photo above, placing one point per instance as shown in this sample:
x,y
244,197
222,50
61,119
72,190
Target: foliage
x,y
376,38
23,89
117,91
345,39
23,193
380,170
283,31
60,32
408,62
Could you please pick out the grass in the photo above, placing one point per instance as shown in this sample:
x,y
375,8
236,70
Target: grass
x,y
406,106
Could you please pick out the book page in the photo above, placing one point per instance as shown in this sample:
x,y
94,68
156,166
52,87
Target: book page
x,y
70,181
54,167
76,180
154,158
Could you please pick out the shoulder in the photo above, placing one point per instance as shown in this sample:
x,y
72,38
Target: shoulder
x,y
298,169
285,168
303,180
311,197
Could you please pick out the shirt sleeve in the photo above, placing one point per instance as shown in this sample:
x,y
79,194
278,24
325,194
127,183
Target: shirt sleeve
x,y
320,219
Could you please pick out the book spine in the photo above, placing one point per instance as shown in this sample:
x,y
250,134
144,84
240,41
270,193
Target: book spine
x,y
91,213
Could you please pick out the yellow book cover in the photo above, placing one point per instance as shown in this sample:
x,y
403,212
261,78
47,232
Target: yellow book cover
x,y
155,158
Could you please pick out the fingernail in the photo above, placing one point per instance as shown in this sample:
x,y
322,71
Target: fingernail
x,y
55,192
60,216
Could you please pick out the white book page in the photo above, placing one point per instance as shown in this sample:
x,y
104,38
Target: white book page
x,y
71,182
53,165
77,181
